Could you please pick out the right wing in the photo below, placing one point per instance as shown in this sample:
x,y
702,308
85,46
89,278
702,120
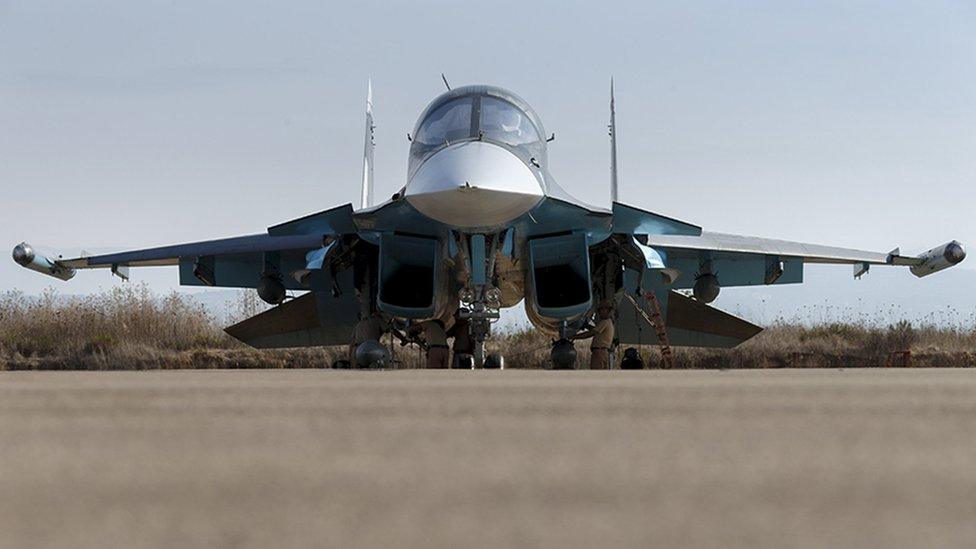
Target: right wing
x,y
295,248
171,255
236,262
226,262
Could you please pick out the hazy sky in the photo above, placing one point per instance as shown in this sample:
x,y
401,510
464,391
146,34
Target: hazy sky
x,y
127,124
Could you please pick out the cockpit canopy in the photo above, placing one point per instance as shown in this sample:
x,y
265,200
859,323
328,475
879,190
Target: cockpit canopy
x,y
479,112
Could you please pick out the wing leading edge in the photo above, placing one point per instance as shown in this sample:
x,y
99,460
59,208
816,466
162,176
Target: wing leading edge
x,y
934,260
171,255
284,245
811,253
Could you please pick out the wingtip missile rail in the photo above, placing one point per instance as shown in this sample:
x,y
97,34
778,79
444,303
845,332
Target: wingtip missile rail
x,y
25,256
939,258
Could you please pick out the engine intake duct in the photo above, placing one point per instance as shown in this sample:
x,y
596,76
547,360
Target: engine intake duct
x,y
408,275
560,276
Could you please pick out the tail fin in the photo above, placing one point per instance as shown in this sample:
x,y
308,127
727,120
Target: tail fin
x,y
366,199
613,146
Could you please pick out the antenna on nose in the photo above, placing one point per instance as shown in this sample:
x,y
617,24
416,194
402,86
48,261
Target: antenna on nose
x,y
444,78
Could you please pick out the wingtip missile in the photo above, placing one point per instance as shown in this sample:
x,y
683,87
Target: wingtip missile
x,y
25,256
939,258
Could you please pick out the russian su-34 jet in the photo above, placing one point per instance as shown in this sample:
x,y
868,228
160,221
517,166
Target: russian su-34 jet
x,y
482,225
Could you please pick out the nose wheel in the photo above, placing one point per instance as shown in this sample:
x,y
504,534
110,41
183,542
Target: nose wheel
x,y
479,354
480,330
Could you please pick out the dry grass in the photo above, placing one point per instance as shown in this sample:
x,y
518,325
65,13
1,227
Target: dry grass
x,y
124,316
839,345
129,327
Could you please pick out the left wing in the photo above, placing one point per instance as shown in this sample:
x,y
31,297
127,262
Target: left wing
x,y
735,261
732,247
684,251
731,243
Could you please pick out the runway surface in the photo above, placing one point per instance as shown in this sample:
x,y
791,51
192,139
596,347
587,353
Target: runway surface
x,y
811,458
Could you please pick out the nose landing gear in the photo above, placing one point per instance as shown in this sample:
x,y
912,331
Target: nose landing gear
x,y
480,294
480,317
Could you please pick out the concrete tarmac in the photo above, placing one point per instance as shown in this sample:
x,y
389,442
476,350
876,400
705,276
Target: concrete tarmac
x,y
787,458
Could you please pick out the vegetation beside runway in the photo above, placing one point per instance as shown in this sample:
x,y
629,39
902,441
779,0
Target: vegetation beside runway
x,y
130,328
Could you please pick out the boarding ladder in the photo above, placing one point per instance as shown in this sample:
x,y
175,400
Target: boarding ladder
x,y
656,321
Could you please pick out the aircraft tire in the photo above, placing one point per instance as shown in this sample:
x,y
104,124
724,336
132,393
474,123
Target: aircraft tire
x,y
479,354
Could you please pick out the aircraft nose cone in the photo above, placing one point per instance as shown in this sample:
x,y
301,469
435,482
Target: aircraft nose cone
x,y
474,184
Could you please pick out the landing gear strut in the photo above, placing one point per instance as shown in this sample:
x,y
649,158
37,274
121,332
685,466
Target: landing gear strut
x,y
480,293
481,318
479,354
654,318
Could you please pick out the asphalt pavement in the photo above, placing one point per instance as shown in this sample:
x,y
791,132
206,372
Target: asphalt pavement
x,y
318,458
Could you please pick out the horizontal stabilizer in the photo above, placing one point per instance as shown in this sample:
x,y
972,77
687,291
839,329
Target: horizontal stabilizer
x,y
690,323
297,323
694,324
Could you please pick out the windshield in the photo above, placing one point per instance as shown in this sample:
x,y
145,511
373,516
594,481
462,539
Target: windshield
x,y
478,112
503,121
449,122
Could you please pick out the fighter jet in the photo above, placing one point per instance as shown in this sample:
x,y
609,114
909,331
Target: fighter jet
x,y
481,225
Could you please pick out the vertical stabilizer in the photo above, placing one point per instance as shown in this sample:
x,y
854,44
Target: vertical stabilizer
x,y
613,146
366,199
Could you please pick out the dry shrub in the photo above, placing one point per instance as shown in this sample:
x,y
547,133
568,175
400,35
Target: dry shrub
x,y
523,347
128,327
91,325
837,345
